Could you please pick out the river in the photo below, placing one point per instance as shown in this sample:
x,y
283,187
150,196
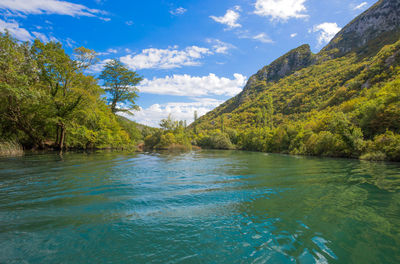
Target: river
x,y
198,207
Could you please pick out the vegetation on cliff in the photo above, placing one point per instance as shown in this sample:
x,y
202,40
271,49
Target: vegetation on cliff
x,y
341,102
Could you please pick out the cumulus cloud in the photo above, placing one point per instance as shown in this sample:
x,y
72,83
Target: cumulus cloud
x,y
178,11
165,58
264,38
187,85
15,30
361,6
230,18
281,9
293,35
39,7
152,115
326,31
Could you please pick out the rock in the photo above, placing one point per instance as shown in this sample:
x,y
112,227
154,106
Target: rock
x,y
378,23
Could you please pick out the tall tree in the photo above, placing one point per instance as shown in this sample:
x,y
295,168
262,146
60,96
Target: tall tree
x,y
195,115
63,80
120,84
21,106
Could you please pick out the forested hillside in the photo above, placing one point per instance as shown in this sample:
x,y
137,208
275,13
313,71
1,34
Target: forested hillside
x,y
343,101
47,100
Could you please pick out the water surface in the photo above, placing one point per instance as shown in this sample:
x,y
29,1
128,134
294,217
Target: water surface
x,y
198,207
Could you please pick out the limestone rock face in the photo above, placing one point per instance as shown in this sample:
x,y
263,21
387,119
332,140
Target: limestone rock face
x,y
286,65
292,61
380,21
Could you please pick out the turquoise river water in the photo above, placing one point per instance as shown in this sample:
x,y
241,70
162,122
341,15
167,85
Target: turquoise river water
x,y
198,207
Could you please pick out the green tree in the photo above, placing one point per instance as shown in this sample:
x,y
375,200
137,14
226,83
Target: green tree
x,y
169,123
195,115
21,106
63,80
120,84
268,112
222,123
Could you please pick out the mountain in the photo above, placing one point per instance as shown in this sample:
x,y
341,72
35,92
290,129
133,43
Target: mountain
x,y
377,26
338,102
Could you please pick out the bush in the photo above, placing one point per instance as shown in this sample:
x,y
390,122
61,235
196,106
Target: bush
x,y
324,144
233,135
389,144
216,141
166,140
374,156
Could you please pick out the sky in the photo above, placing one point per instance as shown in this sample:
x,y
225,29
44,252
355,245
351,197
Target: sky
x,y
192,54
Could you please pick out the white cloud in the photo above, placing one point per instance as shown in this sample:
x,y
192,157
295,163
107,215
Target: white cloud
x,y
70,42
39,7
129,23
112,51
152,115
186,85
40,36
293,35
178,11
281,9
264,38
326,32
44,38
361,6
107,52
16,31
230,18
219,46
107,19
98,67
165,58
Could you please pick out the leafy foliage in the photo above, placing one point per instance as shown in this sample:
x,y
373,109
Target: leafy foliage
x,y
171,136
120,83
46,100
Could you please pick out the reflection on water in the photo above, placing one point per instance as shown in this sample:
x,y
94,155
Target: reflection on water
x,y
198,207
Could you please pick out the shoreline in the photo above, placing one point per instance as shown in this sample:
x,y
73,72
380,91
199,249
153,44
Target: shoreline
x,y
175,150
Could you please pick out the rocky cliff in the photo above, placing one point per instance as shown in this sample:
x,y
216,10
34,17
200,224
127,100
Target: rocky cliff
x,y
286,65
378,25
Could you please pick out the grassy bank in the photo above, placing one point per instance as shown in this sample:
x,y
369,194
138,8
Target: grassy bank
x,y
10,148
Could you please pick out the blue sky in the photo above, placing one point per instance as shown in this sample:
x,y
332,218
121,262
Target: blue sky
x,y
193,54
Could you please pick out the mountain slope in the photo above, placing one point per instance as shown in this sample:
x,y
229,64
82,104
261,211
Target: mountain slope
x,y
376,26
347,92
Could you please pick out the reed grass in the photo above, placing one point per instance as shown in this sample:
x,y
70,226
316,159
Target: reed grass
x,y
10,148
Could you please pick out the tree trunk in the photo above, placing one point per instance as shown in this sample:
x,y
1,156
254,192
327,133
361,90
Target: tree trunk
x,y
57,131
62,136
114,107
